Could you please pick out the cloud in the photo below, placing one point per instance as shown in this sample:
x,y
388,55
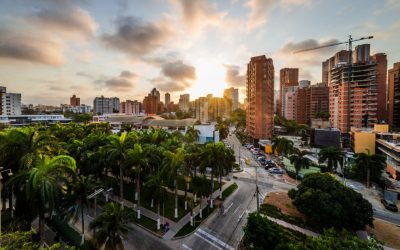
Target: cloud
x,y
66,19
197,14
233,76
175,76
308,58
291,47
84,74
259,9
137,38
30,47
178,71
121,83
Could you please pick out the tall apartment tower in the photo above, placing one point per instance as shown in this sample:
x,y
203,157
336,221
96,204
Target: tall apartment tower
x,y
102,105
394,96
3,91
232,97
367,89
184,102
288,77
167,98
74,101
260,96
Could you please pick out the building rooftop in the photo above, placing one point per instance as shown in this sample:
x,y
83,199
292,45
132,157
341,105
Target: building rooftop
x,y
171,123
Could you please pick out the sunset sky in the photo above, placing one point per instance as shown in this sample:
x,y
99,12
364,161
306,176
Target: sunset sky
x,y
51,49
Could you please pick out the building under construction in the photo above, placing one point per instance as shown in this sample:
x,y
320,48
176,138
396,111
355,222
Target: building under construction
x,y
368,88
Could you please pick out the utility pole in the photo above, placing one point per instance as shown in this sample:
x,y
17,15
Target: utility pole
x,y
257,192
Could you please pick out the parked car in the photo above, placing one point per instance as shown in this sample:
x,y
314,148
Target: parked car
x,y
276,170
389,205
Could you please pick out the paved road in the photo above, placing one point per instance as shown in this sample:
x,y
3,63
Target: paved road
x,y
225,231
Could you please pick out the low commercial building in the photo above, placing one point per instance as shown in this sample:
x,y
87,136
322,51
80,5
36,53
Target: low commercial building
x,y
24,120
325,137
388,144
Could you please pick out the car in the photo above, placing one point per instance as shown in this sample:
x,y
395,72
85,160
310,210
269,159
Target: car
x,y
276,170
389,205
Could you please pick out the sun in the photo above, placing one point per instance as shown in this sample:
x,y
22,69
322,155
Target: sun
x,y
210,79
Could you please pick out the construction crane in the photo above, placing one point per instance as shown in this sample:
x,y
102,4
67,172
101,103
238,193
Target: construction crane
x,y
350,79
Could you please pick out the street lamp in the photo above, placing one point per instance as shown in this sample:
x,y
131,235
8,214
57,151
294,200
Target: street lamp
x,y
9,172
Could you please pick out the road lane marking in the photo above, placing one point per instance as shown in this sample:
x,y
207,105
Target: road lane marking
x,y
227,209
215,239
207,240
234,212
186,247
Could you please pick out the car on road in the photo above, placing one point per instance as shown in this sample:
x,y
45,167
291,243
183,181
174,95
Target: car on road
x,y
276,170
389,205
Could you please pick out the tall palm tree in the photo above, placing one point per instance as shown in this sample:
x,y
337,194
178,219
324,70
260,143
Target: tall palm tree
x,y
117,150
172,167
110,225
192,134
331,154
282,146
155,189
77,197
217,157
42,183
200,188
367,163
299,161
136,158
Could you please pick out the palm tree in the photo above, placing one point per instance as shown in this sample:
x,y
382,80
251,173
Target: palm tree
x,y
331,154
172,167
282,146
192,134
136,157
77,198
367,163
154,188
200,188
42,183
219,159
110,225
299,161
117,150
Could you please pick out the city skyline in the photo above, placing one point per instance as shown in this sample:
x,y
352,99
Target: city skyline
x,y
126,48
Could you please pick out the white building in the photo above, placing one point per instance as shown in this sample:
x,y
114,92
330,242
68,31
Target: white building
x,y
103,105
10,102
290,103
81,109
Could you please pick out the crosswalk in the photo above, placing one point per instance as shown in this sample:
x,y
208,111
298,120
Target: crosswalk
x,y
214,241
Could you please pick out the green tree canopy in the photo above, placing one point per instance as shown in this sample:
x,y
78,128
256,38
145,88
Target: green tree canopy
x,y
328,203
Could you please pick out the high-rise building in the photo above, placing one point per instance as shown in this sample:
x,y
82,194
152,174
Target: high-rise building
x,y
394,96
151,103
10,102
115,104
167,98
231,96
288,77
201,109
319,101
290,103
381,77
130,107
364,99
260,96
74,101
3,91
103,105
184,102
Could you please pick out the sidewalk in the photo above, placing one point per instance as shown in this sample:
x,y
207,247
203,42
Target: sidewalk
x,y
186,219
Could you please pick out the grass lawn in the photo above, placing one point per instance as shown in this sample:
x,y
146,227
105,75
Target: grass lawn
x,y
289,166
169,206
187,229
229,190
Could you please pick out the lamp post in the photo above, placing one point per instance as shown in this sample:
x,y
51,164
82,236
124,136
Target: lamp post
x,y
9,172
